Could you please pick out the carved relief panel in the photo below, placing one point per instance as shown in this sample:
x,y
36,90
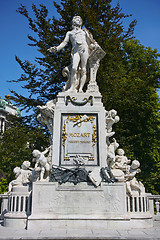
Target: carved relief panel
x,y
79,137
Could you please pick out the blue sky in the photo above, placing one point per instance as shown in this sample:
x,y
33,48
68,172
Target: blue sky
x,y
14,31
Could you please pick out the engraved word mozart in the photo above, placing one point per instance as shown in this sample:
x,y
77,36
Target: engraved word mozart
x,y
79,134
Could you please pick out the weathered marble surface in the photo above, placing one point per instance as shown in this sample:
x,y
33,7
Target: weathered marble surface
x,y
84,233
86,55
78,123
22,175
42,166
82,206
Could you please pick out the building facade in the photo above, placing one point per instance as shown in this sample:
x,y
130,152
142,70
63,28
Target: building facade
x,y
6,107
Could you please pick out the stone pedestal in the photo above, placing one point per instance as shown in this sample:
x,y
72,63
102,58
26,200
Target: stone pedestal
x,y
79,129
82,206
19,206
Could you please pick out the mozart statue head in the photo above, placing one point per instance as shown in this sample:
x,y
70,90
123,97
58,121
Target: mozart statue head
x,y
77,21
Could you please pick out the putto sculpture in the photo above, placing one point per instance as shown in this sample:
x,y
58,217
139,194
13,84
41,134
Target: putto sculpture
x,y
131,181
22,175
85,53
42,163
121,161
111,152
46,115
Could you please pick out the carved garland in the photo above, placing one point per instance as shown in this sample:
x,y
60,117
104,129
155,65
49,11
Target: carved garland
x,y
73,101
94,136
64,135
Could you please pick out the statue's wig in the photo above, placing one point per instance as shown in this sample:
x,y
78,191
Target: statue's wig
x,y
74,20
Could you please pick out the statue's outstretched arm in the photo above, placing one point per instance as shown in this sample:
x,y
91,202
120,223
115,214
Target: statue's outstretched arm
x,y
62,45
46,150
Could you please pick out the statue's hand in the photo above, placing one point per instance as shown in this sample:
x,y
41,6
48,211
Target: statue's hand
x,y
138,170
52,49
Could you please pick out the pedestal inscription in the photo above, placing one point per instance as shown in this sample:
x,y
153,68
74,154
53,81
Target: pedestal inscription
x,y
79,137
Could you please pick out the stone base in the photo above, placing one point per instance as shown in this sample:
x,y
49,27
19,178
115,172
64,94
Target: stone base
x,y
86,224
82,206
18,207
157,217
15,220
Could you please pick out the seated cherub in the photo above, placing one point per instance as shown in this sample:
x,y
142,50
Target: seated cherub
x,y
121,161
131,181
22,175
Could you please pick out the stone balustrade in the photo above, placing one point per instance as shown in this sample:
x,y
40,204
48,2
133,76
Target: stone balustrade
x,y
16,206
156,199
19,203
138,203
15,203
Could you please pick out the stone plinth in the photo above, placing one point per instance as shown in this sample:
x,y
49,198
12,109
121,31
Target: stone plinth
x,y
18,207
82,206
79,123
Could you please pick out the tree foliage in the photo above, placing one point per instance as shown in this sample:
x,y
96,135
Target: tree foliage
x,y
17,144
3,185
128,76
136,99
44,80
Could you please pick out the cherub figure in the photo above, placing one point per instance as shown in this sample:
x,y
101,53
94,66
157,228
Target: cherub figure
x,y
131,181
22,175
41,163
111,118
121,161
47,114
111,152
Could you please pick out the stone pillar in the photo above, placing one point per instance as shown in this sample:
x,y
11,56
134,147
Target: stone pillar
x,y
79,120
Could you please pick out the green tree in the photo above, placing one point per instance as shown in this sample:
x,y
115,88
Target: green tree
x,y
128,76
3,182
3,185
136,99
44,80
17,144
